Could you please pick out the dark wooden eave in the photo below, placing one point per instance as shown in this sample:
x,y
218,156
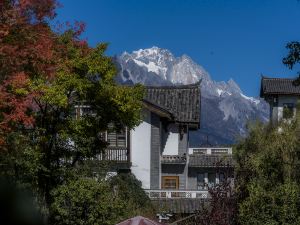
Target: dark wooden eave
x,y
158,110
278,86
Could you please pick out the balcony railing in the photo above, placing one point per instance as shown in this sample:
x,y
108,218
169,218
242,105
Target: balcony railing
x,y
211,150
177,194
173,159
206,160
115,154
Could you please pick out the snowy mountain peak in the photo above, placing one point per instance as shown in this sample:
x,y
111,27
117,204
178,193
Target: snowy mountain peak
x,y
165,68
153,54
225,109
161,62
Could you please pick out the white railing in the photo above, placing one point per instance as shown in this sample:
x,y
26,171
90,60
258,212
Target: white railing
x,y
176,194
210,151
117,154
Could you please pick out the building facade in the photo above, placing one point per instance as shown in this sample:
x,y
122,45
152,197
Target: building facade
x,y
157,151
282,94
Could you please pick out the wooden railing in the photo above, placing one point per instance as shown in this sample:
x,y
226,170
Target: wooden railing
x,y
115,154
177,194
173,159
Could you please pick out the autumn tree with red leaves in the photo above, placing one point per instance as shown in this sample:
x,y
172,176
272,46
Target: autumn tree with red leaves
x,y
44,75
27,50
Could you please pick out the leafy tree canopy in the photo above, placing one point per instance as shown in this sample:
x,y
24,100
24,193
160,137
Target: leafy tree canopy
x,y
87,201
267,175
45,74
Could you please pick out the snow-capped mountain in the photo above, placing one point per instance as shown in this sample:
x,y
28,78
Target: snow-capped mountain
x,y
225,110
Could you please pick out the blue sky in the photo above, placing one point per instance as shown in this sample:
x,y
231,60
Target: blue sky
x,y
239,39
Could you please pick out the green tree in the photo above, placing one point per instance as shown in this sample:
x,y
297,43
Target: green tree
x,y
293,56
130,190
48,74
267,175
105,202
87,201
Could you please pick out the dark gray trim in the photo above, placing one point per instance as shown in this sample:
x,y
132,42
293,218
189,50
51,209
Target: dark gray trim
x,y
183,140
155,152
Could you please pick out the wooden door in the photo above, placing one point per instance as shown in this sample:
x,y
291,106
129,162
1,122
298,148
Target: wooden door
x,y
170,182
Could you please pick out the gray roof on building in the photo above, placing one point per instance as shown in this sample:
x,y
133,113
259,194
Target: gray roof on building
x,y
211,160
279,86
182,102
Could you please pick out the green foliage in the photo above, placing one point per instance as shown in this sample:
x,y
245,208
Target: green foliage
x,y
44,147
267,175
87,201
48,153
84,77
293,56
48,157
278,205
130,190
288,113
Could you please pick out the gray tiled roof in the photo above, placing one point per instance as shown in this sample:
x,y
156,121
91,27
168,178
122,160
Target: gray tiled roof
x,y
183,102
211,161
275,86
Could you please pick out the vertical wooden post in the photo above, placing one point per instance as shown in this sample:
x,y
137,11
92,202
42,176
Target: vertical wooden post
x,y
128,145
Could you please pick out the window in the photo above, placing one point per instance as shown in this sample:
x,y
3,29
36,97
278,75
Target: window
x,y
288,110
116,138
170,182
113,137
83,110
87,111
222,178
211,179
200,181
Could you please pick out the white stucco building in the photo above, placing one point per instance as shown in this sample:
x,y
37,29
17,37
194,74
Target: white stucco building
x,y
282,94
157,151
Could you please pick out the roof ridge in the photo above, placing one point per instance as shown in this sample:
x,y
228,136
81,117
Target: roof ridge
x,y
278,78
181,86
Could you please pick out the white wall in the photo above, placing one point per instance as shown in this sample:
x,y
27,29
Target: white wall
x,y
281,101
171,146
140,150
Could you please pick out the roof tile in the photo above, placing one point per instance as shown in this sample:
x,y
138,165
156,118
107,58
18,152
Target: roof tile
x,y
283,86
183,102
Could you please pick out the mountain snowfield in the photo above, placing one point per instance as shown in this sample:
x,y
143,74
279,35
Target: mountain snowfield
x,y
225,110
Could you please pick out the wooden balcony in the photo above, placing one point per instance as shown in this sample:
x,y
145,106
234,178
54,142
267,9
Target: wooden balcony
x,y
115,154
206,160
173,159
